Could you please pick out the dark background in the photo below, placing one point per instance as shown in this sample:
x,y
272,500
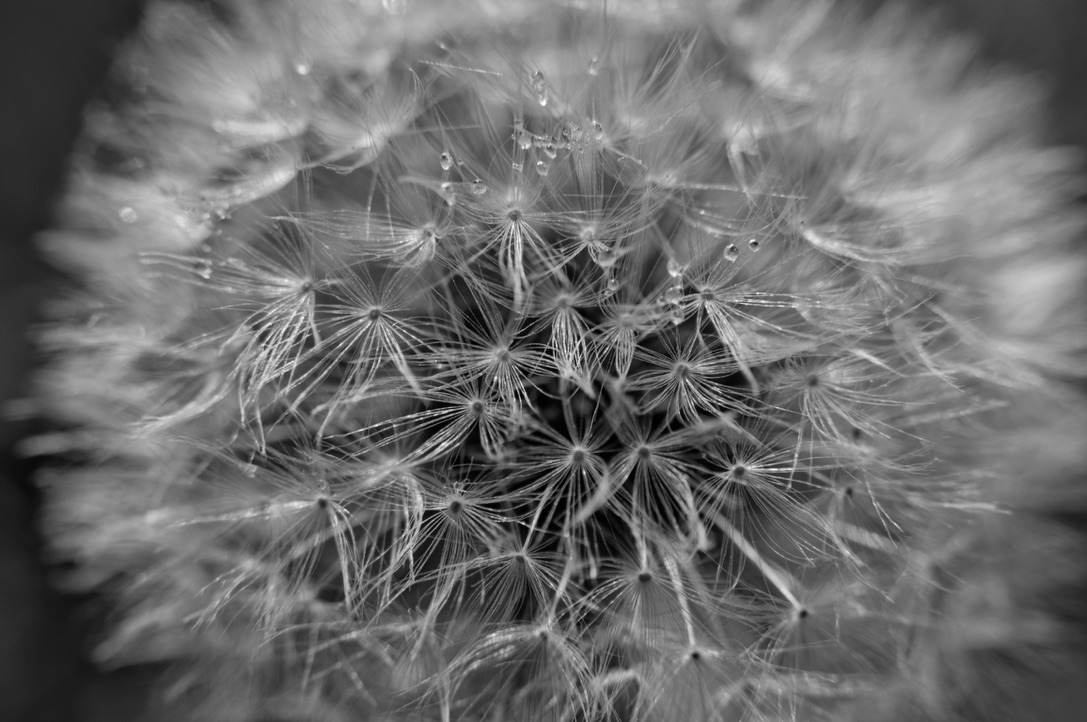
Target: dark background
x,y
53,55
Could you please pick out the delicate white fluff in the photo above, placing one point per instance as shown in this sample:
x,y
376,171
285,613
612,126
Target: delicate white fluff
x,y
550,361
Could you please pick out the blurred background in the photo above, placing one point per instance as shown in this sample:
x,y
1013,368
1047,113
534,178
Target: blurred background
x,y
53,56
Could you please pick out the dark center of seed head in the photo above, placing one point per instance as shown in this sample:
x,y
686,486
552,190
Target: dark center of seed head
x,y
375,314
455,506
644,577
514,214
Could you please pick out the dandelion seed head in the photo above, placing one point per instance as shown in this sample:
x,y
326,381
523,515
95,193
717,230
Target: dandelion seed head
x,y
689,421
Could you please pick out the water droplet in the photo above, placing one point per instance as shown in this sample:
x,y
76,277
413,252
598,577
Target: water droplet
x,y
613,284
607,258
543,167
675,269
550,150
732,252
448,193
129,215
672,296
753,244
478,187
304,65
446,160
517,166
540,87
524,139
594,66
598,130
202,268
676,316
573,132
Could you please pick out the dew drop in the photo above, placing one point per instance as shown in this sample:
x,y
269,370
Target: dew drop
x,y
202,268
543,167
129,215
675,269
448,193
676,316
523,137
607,258
540,87
304,65
613,284
598,130
732,252
673,295
478,187
446,160
753,244
594,66
517,166
550,151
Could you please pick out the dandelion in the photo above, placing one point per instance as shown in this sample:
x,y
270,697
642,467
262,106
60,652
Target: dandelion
x,y
557,361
